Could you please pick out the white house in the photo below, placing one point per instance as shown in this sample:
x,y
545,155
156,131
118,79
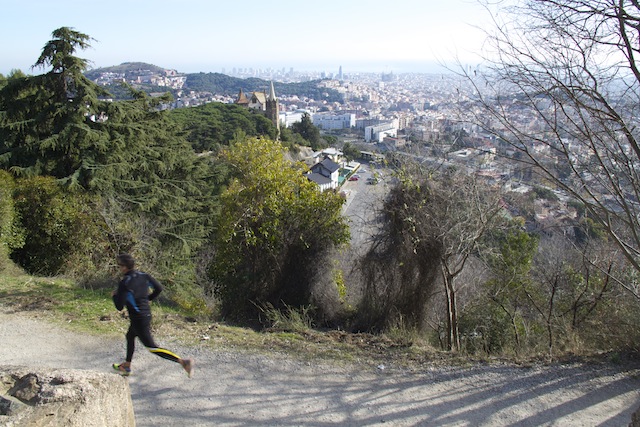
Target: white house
x,y
325,174
331,153
287,118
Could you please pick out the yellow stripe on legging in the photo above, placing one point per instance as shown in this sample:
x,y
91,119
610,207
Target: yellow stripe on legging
x,y
165,354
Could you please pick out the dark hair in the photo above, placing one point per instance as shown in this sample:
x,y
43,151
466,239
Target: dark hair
x,y
126,260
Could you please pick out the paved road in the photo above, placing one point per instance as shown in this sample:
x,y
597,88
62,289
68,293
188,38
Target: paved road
x,y
363,202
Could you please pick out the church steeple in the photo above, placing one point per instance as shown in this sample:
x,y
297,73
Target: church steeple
x,y
273,109
242,98
272,93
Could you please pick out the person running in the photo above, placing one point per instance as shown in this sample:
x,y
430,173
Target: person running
x,y
133,292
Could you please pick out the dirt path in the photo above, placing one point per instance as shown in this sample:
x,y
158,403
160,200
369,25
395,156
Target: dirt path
x,y
232,389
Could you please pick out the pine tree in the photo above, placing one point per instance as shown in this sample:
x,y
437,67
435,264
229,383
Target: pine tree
x,y
46,121
61,124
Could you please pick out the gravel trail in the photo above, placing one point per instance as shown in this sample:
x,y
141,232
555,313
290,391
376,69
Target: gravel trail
x,y
236,389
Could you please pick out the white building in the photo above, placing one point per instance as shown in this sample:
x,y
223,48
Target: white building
x,y
287,118
325,174
379,132
329,121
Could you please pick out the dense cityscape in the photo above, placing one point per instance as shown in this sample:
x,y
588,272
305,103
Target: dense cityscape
x,y
395,106
413,114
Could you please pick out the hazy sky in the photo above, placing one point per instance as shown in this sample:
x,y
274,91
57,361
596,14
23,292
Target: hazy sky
x,y
209,35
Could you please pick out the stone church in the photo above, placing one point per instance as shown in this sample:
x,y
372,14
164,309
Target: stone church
x,y
262,102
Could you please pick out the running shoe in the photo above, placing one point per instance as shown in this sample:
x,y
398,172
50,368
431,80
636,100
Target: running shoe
x,y
122,370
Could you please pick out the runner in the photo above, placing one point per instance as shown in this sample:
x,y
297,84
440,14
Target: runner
x,y
133,292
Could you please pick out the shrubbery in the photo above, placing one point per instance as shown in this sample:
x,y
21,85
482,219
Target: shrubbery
x,y
61,228
273,234
11,236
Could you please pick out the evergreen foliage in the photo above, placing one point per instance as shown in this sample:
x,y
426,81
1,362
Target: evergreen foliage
x,y
153,170
306,129
227,85
274,232
211,126
11,236
62,231
45,120
58,124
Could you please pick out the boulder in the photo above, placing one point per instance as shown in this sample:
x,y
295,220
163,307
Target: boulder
x,y
63,397
635,419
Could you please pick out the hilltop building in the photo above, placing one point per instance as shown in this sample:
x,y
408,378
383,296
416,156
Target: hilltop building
x,y
262,102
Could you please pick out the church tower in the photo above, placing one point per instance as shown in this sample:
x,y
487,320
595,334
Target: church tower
x,y
242,99
273,110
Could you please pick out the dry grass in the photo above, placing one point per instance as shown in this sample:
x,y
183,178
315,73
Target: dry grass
x,y
92,311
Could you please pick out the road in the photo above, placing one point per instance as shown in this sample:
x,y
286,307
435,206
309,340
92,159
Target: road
x,y
363,202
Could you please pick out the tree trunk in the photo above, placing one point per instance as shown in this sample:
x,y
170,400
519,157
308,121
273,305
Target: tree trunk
x,y
448,340
453,333
550,317
516,335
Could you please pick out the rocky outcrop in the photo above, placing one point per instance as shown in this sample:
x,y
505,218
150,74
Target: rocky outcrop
x,y
635,419
63,397
300,155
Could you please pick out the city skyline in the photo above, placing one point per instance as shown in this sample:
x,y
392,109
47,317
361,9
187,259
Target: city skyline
x,y
199,36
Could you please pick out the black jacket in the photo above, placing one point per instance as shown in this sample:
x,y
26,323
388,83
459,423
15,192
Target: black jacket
x,y
133,291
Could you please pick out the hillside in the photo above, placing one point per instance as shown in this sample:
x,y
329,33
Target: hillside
x,y
215,83
125,67
227,85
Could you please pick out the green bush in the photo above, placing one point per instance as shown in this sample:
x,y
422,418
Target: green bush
x,y
62,232
275,234
486,329
11,237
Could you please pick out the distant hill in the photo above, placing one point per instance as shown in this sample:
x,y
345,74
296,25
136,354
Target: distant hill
x,y
226,85
125,67
215,83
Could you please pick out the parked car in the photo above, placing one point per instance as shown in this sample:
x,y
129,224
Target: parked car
x,y
354,178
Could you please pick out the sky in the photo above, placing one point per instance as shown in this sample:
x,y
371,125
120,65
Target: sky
x,y
193,36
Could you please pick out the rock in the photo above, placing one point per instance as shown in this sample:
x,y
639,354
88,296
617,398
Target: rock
x,y
63,397
302,154
26,389
10,406
635,419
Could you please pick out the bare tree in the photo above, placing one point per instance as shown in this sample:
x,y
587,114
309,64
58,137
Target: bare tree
x,y
567,291
560,89
434,224
465,212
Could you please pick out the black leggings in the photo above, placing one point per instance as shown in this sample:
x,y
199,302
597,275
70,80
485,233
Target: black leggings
x,y
141,327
